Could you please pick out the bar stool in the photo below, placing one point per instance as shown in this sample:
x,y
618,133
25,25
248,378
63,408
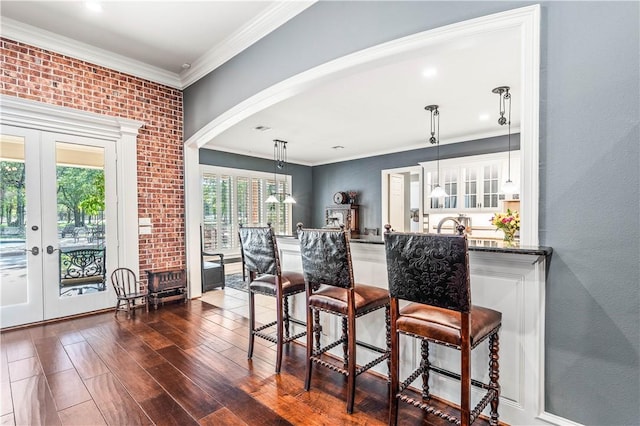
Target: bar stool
x,y
326,262
432,272
260,258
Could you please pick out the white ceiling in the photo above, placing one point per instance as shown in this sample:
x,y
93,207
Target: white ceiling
x,y
378,109
150,39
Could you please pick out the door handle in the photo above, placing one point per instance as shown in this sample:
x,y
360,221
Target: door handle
x,y
34,251
50,249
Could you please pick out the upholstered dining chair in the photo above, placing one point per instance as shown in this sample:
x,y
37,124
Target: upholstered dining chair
x,y
431,271
330,288
261,260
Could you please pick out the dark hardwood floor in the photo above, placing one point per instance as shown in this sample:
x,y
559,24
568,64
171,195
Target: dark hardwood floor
x,y
182,365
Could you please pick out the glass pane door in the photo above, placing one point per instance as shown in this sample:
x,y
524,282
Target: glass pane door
x,y
79,225
21,298
58,224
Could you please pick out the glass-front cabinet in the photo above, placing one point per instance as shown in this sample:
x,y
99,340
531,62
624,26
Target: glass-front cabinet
x,y
471,183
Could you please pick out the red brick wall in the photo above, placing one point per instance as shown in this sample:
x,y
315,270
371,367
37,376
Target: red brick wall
x,y
32,73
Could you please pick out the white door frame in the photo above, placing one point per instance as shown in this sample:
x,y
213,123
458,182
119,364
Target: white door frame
x,y
122,132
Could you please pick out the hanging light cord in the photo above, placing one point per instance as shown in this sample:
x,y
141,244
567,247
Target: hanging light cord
x,y
436,113
503,97
507,96
275,167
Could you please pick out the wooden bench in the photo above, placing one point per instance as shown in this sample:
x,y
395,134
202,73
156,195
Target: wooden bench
x,y
82,269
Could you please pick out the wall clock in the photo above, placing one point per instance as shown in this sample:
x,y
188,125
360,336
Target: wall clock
x,y
340,197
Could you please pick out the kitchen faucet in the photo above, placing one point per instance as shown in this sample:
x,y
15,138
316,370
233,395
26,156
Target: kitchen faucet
x,y
463,224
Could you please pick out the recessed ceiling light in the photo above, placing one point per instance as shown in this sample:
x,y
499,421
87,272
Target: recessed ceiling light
x,y
484,117
93,6
262,128
186,66
337,147
429,72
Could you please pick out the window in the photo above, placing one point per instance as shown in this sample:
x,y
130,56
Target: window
x,y
234,197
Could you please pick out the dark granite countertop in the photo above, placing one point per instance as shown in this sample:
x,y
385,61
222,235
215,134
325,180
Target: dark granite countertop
x,y
515,248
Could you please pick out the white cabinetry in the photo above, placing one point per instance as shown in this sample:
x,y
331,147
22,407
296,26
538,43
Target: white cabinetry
x,y
472,183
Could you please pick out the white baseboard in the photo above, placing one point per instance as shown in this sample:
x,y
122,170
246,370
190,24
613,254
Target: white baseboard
x,y
557,420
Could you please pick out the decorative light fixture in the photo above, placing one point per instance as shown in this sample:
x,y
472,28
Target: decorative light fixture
x,y
437,191
505,98
279,163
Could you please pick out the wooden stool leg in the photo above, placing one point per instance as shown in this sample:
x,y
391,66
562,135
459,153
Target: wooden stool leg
x,y
394,372
286,316
465,371
425,365
387,323
494,375
279,331
317,330
312,328
345,342
351,367
252,323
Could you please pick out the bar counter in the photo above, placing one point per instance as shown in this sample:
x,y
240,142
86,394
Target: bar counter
x,y
515,248
508,279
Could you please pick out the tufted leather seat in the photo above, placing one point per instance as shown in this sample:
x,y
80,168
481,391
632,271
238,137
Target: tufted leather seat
x,y
292,283
444,325
335,299
326,262
432,272
261,260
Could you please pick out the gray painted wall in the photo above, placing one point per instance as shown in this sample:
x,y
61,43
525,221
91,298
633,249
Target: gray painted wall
x,y
589,169
313,187
364,175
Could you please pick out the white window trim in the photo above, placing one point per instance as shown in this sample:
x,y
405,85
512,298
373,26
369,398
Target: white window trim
x,y
245,173
121,131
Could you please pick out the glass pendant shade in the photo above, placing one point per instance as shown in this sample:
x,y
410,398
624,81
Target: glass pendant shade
x,y
280,163
504,107
438,192
509,187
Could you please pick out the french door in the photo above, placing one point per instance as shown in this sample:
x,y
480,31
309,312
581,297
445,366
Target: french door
x,y
58,196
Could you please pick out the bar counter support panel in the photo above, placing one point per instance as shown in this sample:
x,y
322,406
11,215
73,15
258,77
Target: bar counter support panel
x,y
510,281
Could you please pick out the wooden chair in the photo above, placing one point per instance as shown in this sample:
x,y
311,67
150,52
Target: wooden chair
x,y
260,255
128,291
432,272
330,287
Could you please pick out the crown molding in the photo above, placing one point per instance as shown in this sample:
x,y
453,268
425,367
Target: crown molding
x,y
34,36
272,18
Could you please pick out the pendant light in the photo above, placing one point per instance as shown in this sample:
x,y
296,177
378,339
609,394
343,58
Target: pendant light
x,y
437,191
279,163
273,199
509,187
